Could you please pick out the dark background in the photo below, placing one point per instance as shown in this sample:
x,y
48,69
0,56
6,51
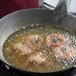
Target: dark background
x,y
8,6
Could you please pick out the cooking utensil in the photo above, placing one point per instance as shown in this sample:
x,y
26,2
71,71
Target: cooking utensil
x,y
16,20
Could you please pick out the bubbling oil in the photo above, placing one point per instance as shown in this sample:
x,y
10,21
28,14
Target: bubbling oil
x,y
22,62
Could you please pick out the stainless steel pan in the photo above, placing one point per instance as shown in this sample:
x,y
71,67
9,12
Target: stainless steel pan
x,y
15,20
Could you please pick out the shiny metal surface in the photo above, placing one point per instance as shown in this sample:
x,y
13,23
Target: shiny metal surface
x,y
15,20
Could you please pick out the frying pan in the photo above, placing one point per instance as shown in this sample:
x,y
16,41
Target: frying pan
x,y
16,20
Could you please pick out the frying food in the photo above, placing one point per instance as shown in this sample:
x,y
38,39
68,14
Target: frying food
x,y
65,53
34,41
61,50
23,49
37,58
40,48
55,40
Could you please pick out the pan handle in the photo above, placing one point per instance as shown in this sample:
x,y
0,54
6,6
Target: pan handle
x,y
60,11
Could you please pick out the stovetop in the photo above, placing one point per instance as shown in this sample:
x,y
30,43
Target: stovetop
x,y
5,72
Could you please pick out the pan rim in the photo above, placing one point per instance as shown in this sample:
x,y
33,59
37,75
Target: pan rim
x,y
21,11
